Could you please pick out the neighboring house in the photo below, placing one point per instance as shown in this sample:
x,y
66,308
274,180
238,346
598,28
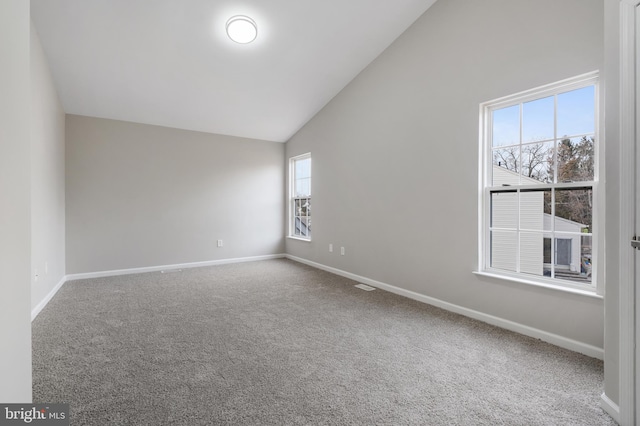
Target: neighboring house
x,y
567,250
535,244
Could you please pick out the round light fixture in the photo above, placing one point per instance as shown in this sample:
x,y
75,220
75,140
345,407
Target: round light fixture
x,y
242,29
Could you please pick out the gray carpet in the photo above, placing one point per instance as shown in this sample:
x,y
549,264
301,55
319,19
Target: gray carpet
x,y
280,343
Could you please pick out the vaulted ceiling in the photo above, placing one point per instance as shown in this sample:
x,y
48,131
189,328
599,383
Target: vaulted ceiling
x,y
170,62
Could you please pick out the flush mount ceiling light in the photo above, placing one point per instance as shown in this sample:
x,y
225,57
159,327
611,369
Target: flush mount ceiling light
x,y
242,29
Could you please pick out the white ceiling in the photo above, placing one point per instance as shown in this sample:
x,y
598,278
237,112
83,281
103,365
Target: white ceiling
x,y
170,63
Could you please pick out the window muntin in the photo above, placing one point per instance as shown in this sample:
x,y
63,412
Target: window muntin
x,y
539,182
300,197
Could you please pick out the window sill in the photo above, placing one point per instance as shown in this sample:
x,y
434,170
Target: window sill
x,y
306,240
582,292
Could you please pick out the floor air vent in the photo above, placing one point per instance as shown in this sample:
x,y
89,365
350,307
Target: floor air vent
x,y
170,271
364,287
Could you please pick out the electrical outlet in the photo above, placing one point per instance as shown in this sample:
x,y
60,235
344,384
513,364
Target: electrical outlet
x,y
330,248
220,243
342,251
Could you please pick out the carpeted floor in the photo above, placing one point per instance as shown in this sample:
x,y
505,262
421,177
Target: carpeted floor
x,y
280,343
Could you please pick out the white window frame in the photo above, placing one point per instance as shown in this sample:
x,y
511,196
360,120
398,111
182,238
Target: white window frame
x,y
485,187
292,195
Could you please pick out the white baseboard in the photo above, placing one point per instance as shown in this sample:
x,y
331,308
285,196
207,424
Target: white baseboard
x,y
554,339
130,271
71,277
610,407
40,306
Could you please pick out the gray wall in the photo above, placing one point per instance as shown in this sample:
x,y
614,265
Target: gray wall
x,y
140,195
47,178
15,199
395,154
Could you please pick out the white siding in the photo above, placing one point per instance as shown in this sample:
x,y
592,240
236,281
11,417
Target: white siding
x,y
563,225
531,252
532,211
504,210
504,246
531,243
504,214
502,176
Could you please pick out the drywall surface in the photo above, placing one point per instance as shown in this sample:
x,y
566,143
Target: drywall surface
x,y
15,199
47,178
140,196
395,154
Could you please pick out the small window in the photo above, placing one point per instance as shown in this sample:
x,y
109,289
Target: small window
x,y
300,197
539,180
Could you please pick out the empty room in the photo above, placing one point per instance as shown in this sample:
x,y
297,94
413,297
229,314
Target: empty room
x,y
418,212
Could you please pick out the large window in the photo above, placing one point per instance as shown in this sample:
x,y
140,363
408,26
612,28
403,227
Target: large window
x,y
539,163
300,197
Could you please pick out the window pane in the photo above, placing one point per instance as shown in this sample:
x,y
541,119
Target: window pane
x,y
301,196
303,168
574,210
503,250
535,210
532,253
576,159
573,258
296,226
305,207
298,207
302,177
586,259
576,112
537,120
506,126
302,225
547,254
303,187
541,178
506,166
537,161
302,219
504,210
